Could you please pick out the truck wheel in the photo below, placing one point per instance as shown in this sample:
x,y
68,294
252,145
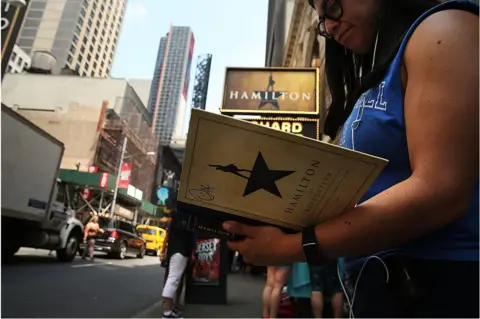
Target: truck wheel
x,y
68,253
123,251
141,254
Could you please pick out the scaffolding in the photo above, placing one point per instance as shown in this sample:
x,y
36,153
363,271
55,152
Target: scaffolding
x,y
202,76
128,119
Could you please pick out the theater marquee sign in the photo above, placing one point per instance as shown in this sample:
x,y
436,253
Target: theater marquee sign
x,y
299,126
271,91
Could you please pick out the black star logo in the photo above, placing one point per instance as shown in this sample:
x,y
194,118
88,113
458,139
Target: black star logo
x,y
261,177
269,97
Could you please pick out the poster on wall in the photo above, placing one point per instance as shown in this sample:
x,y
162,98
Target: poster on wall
x,y
206,262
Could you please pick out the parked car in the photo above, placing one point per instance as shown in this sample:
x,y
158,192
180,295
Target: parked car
x,y
154,237
119,239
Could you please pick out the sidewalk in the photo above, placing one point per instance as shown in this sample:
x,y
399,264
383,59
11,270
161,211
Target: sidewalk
x,y
243,301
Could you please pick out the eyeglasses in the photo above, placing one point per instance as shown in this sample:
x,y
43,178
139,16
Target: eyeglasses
x,y
333,10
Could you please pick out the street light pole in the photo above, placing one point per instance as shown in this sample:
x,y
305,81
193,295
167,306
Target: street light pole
x,y
117,182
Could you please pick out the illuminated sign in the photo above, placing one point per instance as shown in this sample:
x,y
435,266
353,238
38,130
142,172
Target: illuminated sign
x,y
271,91
299,126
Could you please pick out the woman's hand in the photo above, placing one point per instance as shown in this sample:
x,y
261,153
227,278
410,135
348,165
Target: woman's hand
x,y
263,245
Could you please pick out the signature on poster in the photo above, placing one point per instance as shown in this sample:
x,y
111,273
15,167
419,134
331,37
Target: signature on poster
x,y
204,193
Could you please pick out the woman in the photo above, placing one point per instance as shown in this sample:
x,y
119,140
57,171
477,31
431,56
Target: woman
x,y
276,279
180,247
89,234
403,75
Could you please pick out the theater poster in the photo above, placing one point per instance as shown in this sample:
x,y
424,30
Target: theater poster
x,y
206,262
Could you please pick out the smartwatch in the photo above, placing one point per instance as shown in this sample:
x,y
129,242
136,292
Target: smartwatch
x,y
311,250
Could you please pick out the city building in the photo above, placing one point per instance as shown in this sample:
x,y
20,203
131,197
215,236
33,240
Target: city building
x,y
278,24
302,47
170,82
91,116
142,87
81,34
19,60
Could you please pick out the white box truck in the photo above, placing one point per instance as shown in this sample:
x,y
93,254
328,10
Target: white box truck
x,y
35,204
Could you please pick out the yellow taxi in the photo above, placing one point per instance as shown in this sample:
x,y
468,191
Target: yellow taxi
x,y
154,236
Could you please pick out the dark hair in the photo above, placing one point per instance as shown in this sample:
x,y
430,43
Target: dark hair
x,y
395,17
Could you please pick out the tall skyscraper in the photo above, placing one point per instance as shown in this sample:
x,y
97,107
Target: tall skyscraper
x,y
171,77
81,34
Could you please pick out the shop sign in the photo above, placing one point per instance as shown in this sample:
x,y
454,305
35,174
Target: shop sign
x,y
298,126
271,91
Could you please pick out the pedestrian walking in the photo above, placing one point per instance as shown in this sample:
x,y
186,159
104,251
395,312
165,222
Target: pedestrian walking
x,y
180,247
276,279
326,282
90,233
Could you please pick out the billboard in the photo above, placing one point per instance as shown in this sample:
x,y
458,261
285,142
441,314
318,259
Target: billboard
x,y
271,91
206,262
189,67
298,126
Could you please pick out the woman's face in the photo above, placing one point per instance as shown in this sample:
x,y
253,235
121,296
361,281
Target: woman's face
x,y
357,26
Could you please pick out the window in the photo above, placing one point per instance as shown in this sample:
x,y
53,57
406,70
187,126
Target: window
x,y
98,24
106,222
82,49
95,32
87,32
87,66
35,14
72,49
84,40
69,59
94,65
13,56
91,48
33,23
90,22
80,21
97,57
60,194
80,58
29,33
75,39
83,12
78,30
37,5
89,57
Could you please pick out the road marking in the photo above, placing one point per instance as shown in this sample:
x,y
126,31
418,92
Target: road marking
x,y
153,311
90,265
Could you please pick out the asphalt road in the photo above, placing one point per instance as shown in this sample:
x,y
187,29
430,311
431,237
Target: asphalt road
x,y
35,285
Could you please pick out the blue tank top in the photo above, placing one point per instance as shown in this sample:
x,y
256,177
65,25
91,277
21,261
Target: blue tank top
x,y
376,126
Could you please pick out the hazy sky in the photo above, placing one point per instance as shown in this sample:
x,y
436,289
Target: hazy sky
x,y
233,31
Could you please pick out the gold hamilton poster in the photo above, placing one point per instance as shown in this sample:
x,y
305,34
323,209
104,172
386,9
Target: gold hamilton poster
x,y
271,91
244,169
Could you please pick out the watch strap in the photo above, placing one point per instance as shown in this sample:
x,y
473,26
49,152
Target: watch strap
x,y
311,249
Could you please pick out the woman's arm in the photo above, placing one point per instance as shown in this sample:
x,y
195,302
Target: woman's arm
x,y
441,115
